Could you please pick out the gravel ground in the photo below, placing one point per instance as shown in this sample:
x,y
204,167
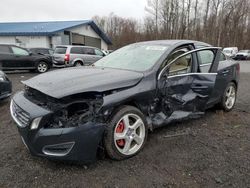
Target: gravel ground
x,y
212,151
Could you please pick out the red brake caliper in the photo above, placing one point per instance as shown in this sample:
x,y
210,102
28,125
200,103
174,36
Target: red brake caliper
x,y
120,129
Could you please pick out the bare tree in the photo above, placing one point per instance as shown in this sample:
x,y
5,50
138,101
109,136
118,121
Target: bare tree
x,y
218,22
153,7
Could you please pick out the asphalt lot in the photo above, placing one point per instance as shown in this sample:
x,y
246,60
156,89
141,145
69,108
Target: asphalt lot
x,y
212,151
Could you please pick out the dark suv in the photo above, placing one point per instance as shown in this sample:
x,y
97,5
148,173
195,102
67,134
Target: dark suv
x,y
16,58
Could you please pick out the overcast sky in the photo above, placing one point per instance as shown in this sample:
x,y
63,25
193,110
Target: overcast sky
x,y
45,10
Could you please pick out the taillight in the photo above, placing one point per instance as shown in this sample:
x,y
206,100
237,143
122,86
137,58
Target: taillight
x,y
66,58
238,68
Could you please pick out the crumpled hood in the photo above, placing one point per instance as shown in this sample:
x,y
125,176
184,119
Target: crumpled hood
x,y
69,81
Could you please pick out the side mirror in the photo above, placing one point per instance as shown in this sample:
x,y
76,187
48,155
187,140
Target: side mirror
x,y
30,53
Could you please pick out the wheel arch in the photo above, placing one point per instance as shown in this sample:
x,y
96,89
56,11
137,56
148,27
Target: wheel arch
x,y
236,83
43,60
78,60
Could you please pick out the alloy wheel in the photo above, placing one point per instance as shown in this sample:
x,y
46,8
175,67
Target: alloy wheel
x,y
230,97
42,67
129,134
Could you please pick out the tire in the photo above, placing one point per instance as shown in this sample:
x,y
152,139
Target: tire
x,y
42,67
78,64
133,138
229,97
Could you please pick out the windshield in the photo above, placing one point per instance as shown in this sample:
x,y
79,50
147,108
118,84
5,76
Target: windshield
x,y
136,57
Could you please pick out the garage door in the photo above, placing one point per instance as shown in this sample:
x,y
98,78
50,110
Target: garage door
x,y
78,39
95,42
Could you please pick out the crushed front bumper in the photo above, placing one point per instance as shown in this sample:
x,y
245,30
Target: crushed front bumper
x,y
71,144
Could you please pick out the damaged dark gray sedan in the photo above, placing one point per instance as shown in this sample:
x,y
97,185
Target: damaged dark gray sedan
x,y
72,114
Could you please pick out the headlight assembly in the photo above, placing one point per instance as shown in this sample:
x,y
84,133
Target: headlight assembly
x,y
35,123
2,79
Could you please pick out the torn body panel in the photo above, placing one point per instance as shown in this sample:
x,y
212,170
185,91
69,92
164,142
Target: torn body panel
x,y
56,131
182,97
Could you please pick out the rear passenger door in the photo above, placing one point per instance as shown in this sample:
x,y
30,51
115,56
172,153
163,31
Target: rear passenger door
x,y
224,74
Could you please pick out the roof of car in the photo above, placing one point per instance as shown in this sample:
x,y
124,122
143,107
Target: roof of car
x,y
174,42
41,48
66,46
46,28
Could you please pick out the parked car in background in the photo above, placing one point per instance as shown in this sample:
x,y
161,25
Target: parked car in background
x,y
42,51
107,52
76,55
16,58
231,51
111,105
243,55
5,86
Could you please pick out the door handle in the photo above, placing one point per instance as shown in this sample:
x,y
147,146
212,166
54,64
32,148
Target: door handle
x,y
199,87
225,72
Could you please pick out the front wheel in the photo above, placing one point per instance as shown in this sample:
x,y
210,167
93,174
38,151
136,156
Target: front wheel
x,y
126,133
229,97
42,67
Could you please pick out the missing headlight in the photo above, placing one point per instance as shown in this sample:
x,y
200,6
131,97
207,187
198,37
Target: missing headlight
x,y
74,114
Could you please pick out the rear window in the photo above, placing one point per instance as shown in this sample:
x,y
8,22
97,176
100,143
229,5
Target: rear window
x,y
76,50
5,49
60,50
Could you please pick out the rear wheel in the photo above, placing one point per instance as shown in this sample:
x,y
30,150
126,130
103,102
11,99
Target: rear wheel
x,y
229,97
126,134
78,64
42,67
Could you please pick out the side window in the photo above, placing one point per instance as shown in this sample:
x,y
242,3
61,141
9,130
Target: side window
x,y
206,58
222,57
98,52
177,52
182,65
5,50
76,50
42,51
19,51
89,51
